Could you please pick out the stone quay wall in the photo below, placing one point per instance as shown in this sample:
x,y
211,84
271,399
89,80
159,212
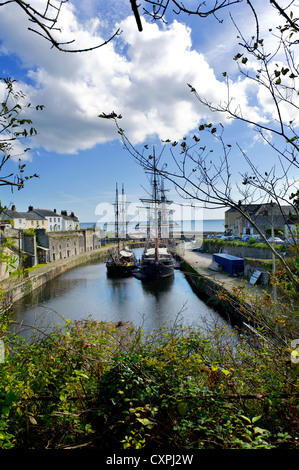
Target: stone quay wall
x,y
14,289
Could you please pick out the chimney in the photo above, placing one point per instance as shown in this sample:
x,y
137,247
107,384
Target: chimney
x,y
72,214
30,208
55,211
13,208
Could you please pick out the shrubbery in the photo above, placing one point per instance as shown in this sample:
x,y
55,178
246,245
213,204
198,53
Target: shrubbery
x,y
87,385
217,243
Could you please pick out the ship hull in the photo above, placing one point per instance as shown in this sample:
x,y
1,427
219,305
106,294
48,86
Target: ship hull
x,y
157,270
121,264
119,270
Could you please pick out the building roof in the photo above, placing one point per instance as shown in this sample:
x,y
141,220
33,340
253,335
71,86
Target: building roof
x,y
45,212
36,214
292,221
13,214
68,217
71,216
257,209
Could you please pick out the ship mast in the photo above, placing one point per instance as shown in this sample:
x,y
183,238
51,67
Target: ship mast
x,y
155,209
116,216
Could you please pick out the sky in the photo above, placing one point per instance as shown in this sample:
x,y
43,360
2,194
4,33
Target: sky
x,y
141,75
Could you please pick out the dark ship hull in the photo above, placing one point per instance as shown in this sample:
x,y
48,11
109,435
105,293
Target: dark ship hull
x,y
122,264
155,266
157,270
115,269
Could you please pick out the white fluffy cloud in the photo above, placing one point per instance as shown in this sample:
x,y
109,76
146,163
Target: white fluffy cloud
x,y
143,76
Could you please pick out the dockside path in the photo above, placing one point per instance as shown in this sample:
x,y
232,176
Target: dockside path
x,y
204,265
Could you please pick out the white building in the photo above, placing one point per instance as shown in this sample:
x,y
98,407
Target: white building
x,y
23,220
69,222
54,219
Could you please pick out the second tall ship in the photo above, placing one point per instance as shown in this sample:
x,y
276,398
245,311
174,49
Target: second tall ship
x,y
157,261
122,261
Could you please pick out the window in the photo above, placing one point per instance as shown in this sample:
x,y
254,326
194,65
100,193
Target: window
x,y
43,222
32,222
54,219
50,220
20,221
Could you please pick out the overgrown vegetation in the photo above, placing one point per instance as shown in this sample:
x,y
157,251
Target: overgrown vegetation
x,y
87,384
217,243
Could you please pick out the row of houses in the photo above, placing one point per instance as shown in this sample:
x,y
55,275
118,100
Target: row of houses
x,y
40,247
46,219
263,216
55,236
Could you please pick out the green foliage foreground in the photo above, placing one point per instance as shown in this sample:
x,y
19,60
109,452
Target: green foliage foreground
x,y
89,384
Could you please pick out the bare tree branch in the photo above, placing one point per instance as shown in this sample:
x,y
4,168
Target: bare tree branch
x,y
46,24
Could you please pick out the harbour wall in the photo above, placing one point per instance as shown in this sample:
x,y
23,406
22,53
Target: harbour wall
x,y
216,295
14,289
240,251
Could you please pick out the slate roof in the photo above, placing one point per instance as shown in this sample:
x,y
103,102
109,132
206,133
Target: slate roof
x,y
22,215
45,212
69,217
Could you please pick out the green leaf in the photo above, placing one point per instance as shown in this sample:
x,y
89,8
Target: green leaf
x,y
183,408
145,421
256,418
5,410
238,56
192,89
247,419
258,430
32,420
10,397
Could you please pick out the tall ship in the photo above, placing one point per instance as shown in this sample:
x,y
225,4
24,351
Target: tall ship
x,y
122,261
157,261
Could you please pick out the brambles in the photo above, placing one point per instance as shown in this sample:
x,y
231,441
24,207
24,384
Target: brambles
x,y
87,384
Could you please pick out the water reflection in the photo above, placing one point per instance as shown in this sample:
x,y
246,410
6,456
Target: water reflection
x,y
158,287
88,291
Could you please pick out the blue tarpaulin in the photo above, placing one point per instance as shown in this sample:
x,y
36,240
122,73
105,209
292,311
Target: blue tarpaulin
x,y
231,264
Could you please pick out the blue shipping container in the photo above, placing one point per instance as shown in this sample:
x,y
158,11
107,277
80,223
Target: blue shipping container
x,y
231,264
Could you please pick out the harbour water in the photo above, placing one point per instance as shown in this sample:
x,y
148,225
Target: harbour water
x,y
87,291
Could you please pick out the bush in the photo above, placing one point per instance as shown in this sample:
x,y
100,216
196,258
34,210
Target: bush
x,y
216,244
30,232
86,385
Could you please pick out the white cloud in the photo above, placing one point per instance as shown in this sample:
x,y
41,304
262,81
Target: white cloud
x,y
143,76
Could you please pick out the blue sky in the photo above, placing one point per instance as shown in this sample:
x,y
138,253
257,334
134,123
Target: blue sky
x,y
143,76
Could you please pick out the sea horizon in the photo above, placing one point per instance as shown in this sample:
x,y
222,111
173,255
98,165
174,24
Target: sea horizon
x,y
206,225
